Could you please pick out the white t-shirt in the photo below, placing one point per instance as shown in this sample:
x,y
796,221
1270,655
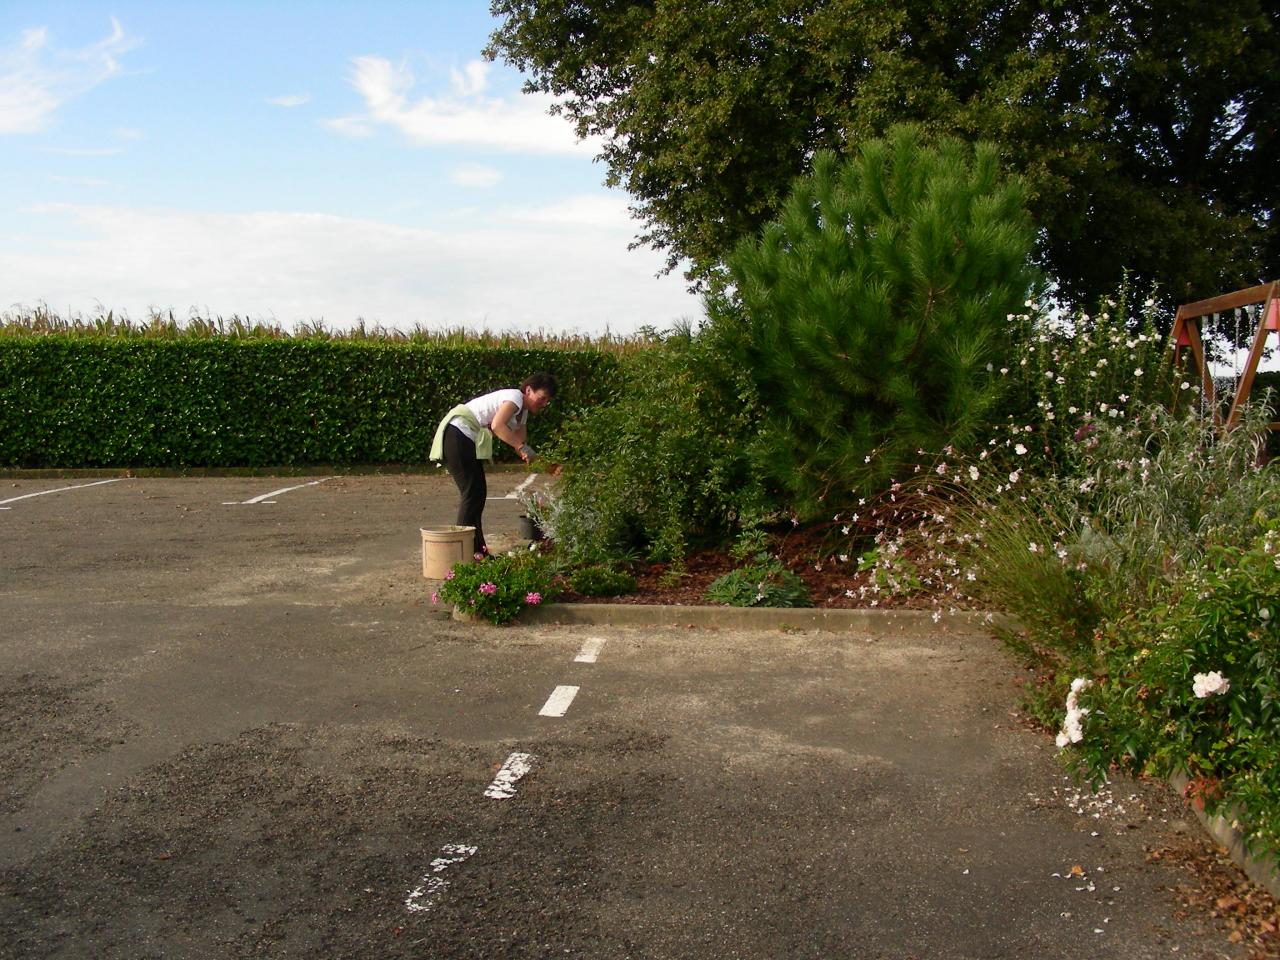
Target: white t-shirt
x,y
486,408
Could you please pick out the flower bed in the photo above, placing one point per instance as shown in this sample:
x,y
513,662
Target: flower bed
x,y
833,583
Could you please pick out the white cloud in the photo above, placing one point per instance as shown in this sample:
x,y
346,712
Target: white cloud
x,y
290,100
81,181
36,78
465,117
475,175
592,210
34,39
471,79
354,127
24,104
556,272
83,151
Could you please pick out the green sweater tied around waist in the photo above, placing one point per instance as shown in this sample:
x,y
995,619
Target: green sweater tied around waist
x,y
484,436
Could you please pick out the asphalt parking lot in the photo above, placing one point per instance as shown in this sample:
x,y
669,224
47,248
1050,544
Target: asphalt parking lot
x,y
233,726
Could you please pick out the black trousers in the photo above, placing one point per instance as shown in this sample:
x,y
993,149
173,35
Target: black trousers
x,y
468,473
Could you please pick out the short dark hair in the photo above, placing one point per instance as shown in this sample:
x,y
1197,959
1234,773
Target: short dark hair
x,y
542,381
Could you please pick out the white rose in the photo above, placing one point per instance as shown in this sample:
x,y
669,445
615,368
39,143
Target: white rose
x,y
1207,684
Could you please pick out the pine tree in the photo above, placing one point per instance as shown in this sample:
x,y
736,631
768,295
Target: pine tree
x,y
872,316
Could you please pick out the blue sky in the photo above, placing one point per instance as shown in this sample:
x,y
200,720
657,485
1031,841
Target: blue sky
x,y
295,161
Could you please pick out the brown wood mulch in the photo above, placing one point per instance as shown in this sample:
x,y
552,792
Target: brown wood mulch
x,y
810,554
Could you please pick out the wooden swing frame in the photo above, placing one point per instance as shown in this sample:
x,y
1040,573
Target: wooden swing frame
x,y
1186,334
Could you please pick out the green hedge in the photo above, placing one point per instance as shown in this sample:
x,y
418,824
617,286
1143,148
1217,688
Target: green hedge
x,y
70,401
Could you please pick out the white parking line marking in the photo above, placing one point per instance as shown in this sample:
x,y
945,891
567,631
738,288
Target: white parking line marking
x,y
266,497
518,490
590,650
504,784
558,703
432,886
41,493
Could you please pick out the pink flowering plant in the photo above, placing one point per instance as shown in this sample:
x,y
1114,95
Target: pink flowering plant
x,y
499,588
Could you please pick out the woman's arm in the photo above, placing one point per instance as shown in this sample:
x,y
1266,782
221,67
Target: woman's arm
x,y
517,439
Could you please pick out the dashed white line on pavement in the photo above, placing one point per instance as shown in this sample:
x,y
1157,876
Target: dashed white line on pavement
x,y
558,703
504,784
514,494
432,886
590,650
266,497
42,493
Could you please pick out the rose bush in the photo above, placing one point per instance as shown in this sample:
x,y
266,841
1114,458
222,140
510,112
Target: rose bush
x,y
1192,685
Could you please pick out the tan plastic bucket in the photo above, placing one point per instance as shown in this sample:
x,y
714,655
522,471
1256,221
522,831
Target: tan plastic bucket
x,y
442,547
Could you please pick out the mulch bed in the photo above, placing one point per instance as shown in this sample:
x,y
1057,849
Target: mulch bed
x,y
807,553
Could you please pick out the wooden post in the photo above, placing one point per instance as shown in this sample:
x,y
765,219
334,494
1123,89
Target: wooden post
x,y
1186,332
1270,306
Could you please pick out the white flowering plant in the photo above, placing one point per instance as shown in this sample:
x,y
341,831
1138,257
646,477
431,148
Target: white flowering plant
x,y
1073,723
1192,685
892,573
1010,524
1083,368
1067,554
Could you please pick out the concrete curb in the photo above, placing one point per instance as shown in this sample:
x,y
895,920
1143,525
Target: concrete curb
x,y
1218,827
862,622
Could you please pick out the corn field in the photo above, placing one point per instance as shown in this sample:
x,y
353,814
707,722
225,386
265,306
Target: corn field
x,y
41,321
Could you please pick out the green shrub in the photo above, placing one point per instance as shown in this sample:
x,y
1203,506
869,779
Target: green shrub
x,y
661,466
764,583
96,401
601,581
498,587
1155,707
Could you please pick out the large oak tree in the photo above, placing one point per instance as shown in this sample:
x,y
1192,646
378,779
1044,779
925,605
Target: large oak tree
x,y
1145,130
